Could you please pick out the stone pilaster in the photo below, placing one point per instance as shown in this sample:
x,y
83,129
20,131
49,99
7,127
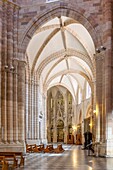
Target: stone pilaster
x,y
21,100
26,109
4,75
1,18
15,102
29,109
36,110
44,120
10,73
94,109
99,66
15,75
32,109
37,120
106,148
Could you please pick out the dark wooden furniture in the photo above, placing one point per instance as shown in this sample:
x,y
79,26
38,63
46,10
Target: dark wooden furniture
x,y
70,139
59,149
14,156
4,163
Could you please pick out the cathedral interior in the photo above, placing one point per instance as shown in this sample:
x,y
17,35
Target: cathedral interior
x,y
56,74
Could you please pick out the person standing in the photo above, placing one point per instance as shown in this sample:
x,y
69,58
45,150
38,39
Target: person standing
x,y
88,141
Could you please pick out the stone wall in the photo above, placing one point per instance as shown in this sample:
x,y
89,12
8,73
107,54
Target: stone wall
x,y
31,17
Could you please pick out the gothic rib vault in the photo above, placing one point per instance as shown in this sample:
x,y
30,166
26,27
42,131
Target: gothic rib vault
x,y
62,52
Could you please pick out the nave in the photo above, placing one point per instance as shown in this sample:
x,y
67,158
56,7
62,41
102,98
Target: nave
x,y
73,158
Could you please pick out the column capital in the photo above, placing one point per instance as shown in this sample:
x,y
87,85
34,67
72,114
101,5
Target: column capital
x,y
22,63
1,3
15,62
14,5
99,56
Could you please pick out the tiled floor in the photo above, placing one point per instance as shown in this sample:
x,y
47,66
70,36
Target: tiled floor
x,y
73,158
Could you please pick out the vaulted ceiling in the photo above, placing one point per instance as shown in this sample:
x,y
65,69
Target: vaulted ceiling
x,y
61,51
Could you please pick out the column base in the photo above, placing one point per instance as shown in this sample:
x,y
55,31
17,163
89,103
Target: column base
x,y
36,141
109,148
104,149
44,141
6,147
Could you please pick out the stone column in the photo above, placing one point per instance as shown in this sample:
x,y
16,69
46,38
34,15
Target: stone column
x,y
82,123
37,120
1,18
35,110
26,109
29,109
10,72
21,99
4,75
49,108
44,119
32,109
15,64
10,107
94,109
108,41
15,102
99,65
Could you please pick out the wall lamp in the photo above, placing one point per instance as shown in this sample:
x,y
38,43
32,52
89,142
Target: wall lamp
x,y
7,68
12,68
101,48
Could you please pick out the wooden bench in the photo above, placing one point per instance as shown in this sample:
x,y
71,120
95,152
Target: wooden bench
x,y
41,147
9,157
13,156
30,147
59,149
4,163
36,149
49,149
21,156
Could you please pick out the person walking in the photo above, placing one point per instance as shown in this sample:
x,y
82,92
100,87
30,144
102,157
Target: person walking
x,y
88,141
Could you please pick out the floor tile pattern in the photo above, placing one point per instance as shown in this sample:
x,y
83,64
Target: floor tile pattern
x,y
73,158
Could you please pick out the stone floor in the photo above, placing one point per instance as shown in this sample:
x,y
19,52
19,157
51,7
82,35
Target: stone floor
x,y
73,158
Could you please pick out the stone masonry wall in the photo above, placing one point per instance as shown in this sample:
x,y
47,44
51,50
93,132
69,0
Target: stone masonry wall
x,y
92,10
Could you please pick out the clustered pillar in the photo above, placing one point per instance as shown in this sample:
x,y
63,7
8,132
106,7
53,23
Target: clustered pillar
x,y
12,81
32,110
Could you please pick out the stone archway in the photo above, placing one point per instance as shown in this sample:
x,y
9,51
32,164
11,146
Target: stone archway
x,y
71,12
32,27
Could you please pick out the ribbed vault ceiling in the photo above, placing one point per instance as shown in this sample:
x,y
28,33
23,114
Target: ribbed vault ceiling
x,y
61,51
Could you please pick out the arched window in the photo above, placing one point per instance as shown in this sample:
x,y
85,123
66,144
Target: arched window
x,y
88,90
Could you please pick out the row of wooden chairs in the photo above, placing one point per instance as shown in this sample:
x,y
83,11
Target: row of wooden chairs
x,y
11,159
40,148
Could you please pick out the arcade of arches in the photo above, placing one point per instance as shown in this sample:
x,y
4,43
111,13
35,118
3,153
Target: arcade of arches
x,y
56,72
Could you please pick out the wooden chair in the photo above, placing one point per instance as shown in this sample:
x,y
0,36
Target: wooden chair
x,y
14,156
36,149
4,163
59,149
29,148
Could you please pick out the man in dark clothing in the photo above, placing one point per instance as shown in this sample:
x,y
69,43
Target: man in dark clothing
x,y
88,141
